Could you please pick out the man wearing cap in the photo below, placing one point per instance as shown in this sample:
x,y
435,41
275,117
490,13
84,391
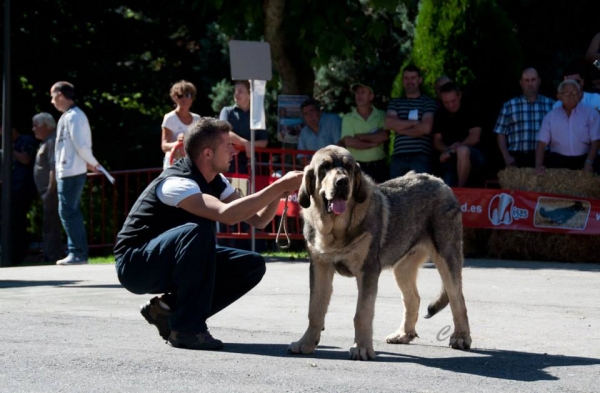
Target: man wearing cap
x,y
358,127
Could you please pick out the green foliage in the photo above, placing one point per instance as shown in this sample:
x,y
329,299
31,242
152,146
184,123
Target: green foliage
x,y
221,95
468,40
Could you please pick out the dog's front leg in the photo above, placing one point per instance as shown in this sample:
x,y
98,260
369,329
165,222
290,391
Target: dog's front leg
x,y
365,311
321,286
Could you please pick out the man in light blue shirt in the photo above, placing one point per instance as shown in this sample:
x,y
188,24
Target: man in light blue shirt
x,y
321,129
589,99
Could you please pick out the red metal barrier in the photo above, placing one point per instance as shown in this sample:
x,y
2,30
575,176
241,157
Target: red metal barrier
x,y
106,205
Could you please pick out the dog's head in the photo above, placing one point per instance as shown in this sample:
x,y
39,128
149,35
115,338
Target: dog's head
x,y
332,178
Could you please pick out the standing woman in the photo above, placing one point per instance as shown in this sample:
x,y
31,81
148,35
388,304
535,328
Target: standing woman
x,y
176,123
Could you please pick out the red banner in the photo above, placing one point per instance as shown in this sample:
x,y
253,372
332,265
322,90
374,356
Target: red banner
x,y
505,209
528,211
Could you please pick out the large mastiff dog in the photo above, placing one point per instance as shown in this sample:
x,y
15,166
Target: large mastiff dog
x,y
357,228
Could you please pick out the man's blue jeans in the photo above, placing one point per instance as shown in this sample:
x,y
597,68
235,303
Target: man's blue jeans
x,y
69,209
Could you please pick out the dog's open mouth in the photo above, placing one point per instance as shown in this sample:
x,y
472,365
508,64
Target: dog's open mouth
x,y
336,205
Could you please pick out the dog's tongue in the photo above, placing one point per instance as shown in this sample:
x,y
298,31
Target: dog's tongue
x,y
338,206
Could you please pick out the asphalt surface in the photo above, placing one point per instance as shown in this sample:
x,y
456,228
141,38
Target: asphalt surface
x,y
535,327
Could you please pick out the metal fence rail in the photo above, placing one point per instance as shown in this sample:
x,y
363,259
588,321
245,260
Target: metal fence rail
x,y
105,206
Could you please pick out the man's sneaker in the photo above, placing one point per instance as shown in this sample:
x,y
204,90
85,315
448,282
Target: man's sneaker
x,y
157,316
200,341
72,260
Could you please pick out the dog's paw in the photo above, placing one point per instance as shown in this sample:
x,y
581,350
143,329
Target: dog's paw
x,y
401,338
300,347
361,353
460,341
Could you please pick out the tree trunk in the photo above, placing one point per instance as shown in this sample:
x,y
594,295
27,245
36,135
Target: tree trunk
x,y
295,71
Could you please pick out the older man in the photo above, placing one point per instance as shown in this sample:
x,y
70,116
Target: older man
x,y
358,126
44,129
321,128
520,120
572,131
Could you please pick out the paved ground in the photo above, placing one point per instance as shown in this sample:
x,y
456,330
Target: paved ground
x,y
535,327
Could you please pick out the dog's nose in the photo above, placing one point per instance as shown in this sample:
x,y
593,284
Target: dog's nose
x,y
342,182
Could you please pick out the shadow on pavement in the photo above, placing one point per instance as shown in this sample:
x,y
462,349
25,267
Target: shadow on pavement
x,y
508,365
29,283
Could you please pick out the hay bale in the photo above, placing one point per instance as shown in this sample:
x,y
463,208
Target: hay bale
x,y
525,245
554,181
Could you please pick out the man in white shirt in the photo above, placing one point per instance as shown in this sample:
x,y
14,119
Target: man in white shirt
x,y
73,157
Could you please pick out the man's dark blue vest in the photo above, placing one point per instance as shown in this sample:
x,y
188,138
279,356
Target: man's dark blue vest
x,y
149,217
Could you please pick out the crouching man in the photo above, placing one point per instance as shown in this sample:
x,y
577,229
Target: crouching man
x,y
167,245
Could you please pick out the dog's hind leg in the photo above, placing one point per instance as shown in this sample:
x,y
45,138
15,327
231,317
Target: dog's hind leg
x,y
406,272
321,287
449,264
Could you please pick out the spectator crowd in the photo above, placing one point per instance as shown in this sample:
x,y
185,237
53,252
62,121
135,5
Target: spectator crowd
x,y
440,135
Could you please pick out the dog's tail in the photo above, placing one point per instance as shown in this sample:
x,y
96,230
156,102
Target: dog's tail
x,y
438,303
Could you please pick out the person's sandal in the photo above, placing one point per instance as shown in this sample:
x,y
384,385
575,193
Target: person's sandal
x,y
198,341
157,316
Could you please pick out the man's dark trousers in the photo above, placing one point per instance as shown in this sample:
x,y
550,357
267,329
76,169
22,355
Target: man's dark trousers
x,y
200,277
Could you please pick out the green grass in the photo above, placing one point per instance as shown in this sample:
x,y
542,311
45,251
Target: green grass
x,y
286,254
102,260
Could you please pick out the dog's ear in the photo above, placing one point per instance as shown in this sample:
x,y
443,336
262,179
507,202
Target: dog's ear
x,y
360,186
307,188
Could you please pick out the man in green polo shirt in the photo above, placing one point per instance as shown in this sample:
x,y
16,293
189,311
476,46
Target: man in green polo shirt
x,y
358,134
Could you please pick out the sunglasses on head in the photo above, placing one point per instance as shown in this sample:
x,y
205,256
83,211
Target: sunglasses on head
x,y
186,95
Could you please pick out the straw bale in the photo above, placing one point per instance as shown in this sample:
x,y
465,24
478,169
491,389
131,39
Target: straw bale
x,y
541,246
554,181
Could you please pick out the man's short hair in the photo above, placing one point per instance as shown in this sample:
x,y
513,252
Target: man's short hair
x,y
206,133
309,102
412,68
44,119
448,87
65,88
243,82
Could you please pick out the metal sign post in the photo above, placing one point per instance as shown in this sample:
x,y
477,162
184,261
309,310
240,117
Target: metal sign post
x,y
251,60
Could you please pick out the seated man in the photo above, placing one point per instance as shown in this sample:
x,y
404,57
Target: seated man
x,y
168,242
572,131
589,99
362,122
456,134
321,129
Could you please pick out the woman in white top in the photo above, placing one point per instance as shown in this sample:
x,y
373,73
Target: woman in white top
x,y
177,122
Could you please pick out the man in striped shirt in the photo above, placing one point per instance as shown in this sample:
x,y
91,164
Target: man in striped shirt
x,y
411,119
520,120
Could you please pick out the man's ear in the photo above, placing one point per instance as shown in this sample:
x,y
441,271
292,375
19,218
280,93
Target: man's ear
x,y
307,188
360,186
